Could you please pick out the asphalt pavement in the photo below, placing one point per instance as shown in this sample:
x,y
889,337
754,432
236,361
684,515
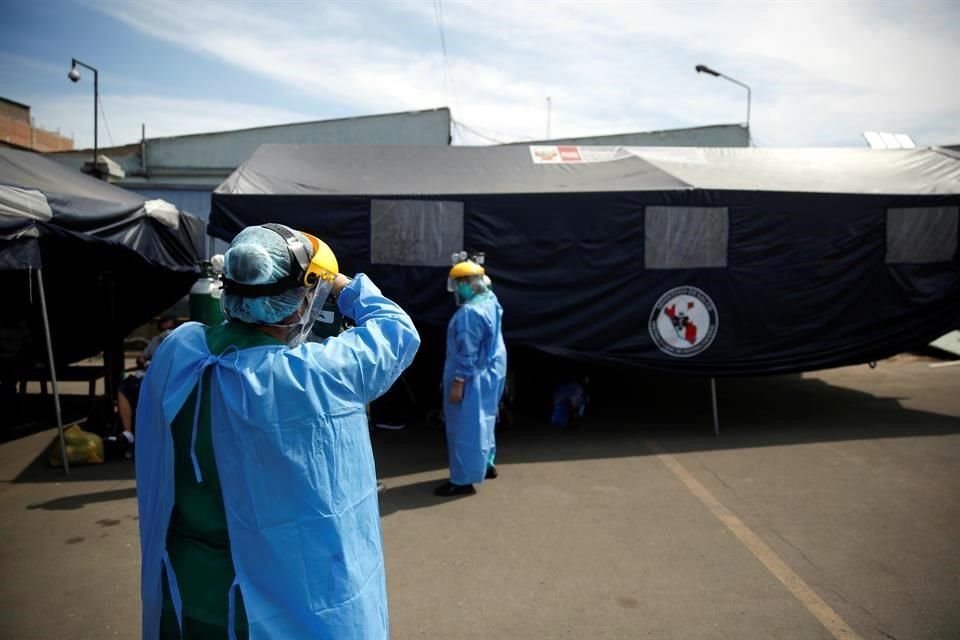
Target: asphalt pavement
x,y
828,507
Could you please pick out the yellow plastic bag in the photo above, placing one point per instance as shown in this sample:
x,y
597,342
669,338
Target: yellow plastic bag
x,y
83,447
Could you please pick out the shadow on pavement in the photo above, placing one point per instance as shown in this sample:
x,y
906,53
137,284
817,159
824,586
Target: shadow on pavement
x,y
625,413
70,503
626,410
416,495
40,471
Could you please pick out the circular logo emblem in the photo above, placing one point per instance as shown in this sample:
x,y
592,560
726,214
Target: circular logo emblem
x,y
684,322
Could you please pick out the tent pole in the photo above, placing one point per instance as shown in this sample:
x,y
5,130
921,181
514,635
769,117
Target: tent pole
x,y
716,417
53,371
113,352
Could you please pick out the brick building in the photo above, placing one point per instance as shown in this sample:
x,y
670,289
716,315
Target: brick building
x,y
17,130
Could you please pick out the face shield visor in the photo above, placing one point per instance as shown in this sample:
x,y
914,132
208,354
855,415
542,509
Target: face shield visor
x,y
312,307
465,289
452,288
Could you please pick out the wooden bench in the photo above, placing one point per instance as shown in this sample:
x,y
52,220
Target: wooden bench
x,y
72,373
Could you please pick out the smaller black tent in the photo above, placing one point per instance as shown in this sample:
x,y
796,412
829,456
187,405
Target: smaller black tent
x,y
101,259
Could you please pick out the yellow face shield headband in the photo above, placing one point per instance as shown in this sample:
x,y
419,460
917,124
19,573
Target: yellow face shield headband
x,y
322,266
463,269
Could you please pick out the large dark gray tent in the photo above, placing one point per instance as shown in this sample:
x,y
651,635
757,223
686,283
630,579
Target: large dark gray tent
x,y
705,261
102,260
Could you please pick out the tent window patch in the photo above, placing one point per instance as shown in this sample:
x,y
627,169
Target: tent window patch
x,y
685,237
422,233
919,235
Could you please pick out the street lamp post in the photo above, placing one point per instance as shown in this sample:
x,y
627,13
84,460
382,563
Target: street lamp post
x,y
74,76
702,68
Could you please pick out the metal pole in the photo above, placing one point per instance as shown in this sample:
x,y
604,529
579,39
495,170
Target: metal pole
x,y
75,76
549,105
53,371
734,81
113,352
96,98
716,417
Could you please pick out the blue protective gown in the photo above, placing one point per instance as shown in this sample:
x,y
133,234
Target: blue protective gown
x,y
293,454
476,353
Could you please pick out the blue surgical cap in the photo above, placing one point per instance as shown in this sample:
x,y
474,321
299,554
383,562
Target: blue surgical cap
x,y
260,256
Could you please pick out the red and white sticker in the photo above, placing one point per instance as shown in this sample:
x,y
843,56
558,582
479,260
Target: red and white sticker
x,y
573,154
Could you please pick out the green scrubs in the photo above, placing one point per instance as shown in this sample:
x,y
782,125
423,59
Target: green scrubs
x,y
197,540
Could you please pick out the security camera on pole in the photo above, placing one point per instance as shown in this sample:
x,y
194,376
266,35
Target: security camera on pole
x,y
74,76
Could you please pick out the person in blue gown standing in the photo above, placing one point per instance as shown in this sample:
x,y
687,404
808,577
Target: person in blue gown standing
x,y
259,516
474,375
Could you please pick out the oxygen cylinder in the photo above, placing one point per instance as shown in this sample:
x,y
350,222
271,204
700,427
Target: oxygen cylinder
x,y
205,297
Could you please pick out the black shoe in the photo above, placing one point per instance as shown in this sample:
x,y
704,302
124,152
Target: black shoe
x,y
449,489
491,473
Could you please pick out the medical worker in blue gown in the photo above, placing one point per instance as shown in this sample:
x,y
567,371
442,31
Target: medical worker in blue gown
x,y
474,374
258,499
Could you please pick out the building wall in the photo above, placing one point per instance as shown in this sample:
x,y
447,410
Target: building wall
x,y
722,135
230,149
14,110
201,162
48,141
15,132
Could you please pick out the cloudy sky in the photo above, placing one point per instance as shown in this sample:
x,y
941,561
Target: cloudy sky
x,y
821,72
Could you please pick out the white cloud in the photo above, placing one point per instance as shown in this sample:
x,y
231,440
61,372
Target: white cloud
x,y
322,52
821,72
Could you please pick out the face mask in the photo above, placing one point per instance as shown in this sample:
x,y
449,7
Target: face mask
x,y
465,292
292,334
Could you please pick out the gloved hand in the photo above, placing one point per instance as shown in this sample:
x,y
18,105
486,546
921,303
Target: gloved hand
x,y
339,283
456,391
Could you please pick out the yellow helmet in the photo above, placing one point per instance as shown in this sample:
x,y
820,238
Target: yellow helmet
x,y
465,269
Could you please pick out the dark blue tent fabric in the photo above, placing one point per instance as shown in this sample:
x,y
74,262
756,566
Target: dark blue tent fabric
x,y
804,282
108,264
